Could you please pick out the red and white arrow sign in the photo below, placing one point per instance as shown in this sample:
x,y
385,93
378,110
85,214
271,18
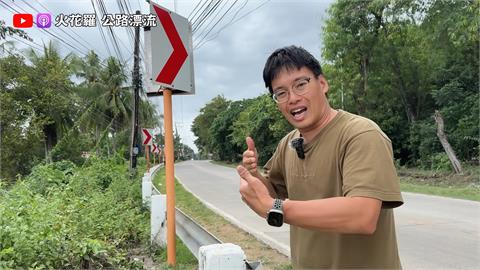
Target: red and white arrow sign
x,y
154,148
179,54
147,136
169,50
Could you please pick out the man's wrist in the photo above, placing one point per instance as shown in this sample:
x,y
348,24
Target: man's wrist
x,y
268,205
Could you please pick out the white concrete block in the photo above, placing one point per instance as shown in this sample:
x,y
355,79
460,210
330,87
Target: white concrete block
x,y
221,256
146,192
158,220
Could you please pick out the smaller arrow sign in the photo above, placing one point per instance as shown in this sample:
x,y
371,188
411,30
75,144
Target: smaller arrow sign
x,y
154,148
147,137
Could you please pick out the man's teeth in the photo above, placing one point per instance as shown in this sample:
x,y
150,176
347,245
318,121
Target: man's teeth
x,y
297,111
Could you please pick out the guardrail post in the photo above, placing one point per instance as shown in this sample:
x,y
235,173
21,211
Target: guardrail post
x,y
146,192
221,256
147,176
158,224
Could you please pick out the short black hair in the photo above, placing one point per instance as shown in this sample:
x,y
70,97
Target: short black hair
x,y
291,57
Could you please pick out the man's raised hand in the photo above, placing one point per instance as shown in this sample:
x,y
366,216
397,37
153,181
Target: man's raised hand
x,y
250,157
254,193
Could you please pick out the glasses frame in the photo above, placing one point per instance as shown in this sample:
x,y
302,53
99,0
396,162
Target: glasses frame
x,y
295,89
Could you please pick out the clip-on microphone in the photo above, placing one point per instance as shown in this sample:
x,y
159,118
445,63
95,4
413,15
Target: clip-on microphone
x,y
297,143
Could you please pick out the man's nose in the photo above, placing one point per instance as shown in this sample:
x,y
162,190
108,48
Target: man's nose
x,y
293,98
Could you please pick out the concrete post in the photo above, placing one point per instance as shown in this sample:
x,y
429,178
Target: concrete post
x,y
158,218
221,256
146,192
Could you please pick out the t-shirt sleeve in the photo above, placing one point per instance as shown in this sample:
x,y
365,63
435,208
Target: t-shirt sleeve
x,y
274,173
369,171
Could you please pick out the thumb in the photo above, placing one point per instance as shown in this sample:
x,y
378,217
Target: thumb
x,y
250,144
244,173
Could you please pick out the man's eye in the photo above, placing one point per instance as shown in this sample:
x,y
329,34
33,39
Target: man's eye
x,y
280,94
301,84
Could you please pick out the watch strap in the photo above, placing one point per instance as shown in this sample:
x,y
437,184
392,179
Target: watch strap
x,y
277,204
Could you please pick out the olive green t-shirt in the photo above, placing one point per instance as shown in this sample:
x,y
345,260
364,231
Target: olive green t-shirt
x,y
350,157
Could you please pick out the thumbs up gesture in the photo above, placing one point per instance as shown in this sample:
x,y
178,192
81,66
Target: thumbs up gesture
x,y
250,157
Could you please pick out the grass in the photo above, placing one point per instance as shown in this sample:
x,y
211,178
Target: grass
x,y
221,228
430,182
452,192
441,183
225,163
184,258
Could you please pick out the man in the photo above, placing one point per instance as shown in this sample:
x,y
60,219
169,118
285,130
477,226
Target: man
x,y
332,178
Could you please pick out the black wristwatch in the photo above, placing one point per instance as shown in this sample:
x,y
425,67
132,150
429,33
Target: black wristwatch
x,y
275,215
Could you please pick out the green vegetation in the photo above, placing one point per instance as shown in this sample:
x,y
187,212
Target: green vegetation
x,y
184,258
442,183
224,137
393,62
63,108
221,228
398,62
64,216
225,163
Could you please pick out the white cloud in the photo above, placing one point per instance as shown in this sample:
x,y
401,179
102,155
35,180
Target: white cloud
x,y
231,64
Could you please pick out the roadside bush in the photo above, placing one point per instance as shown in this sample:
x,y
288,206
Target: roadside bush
x,y
88,218
440,162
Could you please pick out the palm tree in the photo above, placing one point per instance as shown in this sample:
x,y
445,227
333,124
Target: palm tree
x,y
90,91
116,95
50,94
107,101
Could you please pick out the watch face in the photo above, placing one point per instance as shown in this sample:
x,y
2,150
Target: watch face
x,y
275,218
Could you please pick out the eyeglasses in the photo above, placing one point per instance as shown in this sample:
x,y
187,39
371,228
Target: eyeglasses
x,y
299,88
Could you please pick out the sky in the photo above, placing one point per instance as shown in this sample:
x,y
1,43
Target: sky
x,y
230,64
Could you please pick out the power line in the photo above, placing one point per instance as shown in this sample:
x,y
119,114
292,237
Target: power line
x,y
194,9
112,36
202,14
212,20
70,30
231,23
212,10
101,30
219,20
42,29
36,46
193,17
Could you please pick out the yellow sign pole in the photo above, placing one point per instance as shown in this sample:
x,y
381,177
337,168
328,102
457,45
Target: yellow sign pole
x,y
170,180
147,152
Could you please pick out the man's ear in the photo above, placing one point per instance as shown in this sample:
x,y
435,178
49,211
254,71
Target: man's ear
x,y
323,83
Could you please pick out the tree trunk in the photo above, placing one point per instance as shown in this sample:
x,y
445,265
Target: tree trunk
x,y
46,150
114,145
446,145
402,87
365,73
50,134
97,138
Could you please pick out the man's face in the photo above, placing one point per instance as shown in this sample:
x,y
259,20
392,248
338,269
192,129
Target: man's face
x,y
306,111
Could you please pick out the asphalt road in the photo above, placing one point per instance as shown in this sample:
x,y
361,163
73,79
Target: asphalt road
x,y
433,232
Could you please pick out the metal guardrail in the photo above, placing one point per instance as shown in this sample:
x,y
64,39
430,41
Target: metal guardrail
x,y
192,234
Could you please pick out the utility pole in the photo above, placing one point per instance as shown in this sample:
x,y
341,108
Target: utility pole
x,y
137,84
